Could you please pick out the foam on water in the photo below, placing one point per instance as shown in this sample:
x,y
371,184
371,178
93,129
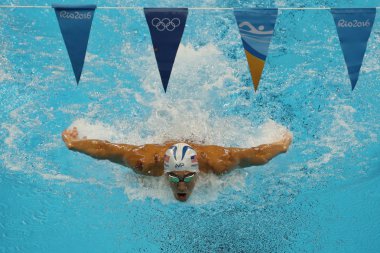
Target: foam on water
x,y
5,69
192,109
186,112
209,186
228,128
207,189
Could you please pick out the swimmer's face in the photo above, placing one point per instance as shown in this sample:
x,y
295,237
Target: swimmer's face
x,y
182,183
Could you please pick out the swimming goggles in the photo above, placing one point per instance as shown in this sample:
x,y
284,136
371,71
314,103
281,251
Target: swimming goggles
x,y
177,179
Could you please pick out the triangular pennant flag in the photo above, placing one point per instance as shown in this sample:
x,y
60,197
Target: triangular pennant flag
x,y
256,28
354,27
166,28
75,24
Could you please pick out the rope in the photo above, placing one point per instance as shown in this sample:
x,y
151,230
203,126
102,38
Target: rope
x,y
138,8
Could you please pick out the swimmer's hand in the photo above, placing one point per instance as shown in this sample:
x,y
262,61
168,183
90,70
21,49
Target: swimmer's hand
x,y
70,136
286,140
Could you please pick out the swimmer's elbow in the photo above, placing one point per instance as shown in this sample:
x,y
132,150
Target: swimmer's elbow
x,y
70,146
260,161
74,146
253,162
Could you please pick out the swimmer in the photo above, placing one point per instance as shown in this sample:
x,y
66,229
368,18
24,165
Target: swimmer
x,y
180,163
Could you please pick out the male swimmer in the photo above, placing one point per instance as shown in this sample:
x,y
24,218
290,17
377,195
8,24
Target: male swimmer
x,y
180,163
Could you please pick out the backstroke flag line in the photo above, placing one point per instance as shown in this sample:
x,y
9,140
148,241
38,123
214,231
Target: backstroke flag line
x,y
166,26
256,28
75,24
354,27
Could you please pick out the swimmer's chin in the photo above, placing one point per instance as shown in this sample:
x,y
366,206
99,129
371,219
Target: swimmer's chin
x,y
183,197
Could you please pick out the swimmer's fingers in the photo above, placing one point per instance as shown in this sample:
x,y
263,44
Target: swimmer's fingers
x,y
66,138
287,140
74,133
65,134
289,136
69,135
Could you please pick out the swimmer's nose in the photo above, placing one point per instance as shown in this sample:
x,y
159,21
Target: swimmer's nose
x,y
182,187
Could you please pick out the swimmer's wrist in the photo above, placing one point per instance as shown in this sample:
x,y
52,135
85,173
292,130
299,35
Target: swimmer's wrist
x,y
71,144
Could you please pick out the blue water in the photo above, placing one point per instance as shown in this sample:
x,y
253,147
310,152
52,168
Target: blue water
x,y
322,196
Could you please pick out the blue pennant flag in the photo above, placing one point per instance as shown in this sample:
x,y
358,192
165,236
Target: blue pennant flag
x,y
354,28
256,28
75,24
166,28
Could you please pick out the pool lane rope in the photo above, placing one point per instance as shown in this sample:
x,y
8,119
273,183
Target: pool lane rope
x,y
190,8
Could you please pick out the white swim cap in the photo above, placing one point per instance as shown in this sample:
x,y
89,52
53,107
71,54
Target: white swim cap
x,y
181,156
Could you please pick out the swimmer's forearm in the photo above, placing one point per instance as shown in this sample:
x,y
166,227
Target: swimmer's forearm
x,y
94,148
100,149
261,154
266,152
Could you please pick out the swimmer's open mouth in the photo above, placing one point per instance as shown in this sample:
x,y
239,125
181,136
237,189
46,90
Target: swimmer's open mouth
x,y
182,196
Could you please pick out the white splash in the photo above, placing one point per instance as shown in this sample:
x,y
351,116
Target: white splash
x,y
5,76
14,133
340,137
208,187
189,110
63,179
226,129
184,112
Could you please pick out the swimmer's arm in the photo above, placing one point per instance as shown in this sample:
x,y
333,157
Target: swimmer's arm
x,y
98,149
262,154
102,150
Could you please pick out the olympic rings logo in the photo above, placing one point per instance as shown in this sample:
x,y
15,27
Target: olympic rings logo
x,y
166,24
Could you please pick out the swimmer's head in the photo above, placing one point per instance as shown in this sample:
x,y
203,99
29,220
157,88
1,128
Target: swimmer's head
x,y
182,183
181,168
180,157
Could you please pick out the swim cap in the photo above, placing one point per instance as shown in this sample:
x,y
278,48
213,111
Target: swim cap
x,y
181,156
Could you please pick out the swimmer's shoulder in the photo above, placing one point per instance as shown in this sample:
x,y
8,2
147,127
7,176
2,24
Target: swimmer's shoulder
x,y
215,159
146,159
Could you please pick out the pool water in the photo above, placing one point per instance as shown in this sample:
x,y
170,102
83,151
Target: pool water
x,y
323,195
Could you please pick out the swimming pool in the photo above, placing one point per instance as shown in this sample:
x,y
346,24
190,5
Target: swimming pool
x,y
322,196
